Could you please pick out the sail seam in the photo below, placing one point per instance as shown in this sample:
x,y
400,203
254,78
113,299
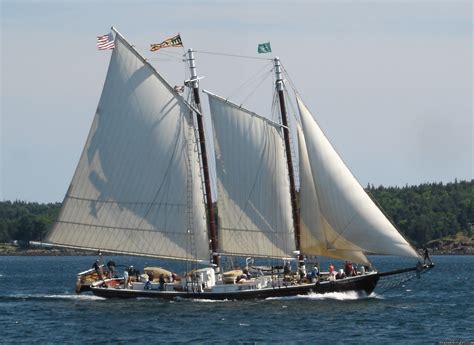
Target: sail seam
x,y
257,173
105,250
339,234
118,227
167,172
125,202
252,230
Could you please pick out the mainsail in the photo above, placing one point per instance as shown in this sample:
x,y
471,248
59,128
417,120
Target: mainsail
x,y
252,183
335,208
136,189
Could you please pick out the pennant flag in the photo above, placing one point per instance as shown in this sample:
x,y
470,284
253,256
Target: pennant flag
x,y
170,42
264,48
105,42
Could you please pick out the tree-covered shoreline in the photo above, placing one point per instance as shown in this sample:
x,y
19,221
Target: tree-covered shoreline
x,y
428,211
26,221
422,213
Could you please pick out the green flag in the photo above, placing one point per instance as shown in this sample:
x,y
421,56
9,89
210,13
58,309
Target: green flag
x,y
264,48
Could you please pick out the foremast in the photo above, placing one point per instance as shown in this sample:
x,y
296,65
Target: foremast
x,y
286,134
194,84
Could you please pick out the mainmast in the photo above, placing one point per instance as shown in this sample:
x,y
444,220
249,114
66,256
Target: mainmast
x,y
194,83
286,134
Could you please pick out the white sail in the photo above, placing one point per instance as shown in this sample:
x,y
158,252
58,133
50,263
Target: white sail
x,y
136,189
252,183
313,233
336,208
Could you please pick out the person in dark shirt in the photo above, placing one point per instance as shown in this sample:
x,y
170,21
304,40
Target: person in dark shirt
x,y
111,267
162,282
426,256
133,272
348,268
98,269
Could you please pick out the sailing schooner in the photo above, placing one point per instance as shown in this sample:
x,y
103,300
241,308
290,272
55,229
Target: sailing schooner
x,y
142,187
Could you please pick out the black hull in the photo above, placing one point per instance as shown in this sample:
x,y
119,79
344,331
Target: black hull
x,y
83,288
361,284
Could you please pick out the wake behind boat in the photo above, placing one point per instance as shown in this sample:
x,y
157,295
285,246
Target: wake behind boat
x,y
142,187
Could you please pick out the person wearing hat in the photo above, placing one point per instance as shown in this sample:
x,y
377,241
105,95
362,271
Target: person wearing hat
x,y
98,269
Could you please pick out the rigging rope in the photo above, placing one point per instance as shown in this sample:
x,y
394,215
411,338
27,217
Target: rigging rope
x,y
168,57
275,107
233,55
147,48
256,87
292,85
389,282
262,74
173,56
285,71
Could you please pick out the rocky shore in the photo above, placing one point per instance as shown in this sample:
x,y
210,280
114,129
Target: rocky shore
x,y
11,250
450,248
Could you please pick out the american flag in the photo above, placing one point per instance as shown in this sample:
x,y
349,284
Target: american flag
x,y
105,42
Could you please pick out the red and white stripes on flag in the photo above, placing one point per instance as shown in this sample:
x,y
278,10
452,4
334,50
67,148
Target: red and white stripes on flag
x,y
105,42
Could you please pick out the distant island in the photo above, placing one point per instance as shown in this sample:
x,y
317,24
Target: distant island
x,y
434,215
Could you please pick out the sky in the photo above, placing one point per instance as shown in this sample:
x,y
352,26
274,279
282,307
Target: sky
x,y
390,82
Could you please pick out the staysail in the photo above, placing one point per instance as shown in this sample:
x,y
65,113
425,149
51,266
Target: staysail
x,y
313,237
136,189
335,208
252,183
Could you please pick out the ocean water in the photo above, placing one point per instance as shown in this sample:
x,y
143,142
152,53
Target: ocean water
x,y
38,305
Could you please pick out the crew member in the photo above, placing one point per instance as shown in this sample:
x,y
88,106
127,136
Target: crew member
x,y
426,256
98,269
111,267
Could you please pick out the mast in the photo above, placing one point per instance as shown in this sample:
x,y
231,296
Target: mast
x,y
194,81
286,134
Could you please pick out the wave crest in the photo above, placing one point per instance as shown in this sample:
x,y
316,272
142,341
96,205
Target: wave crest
x,y
339,296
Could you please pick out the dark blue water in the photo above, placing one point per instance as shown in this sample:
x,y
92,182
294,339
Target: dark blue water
x,y
38,304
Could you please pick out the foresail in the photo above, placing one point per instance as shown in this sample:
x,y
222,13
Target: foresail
x,y
131,188
252,183
313,234
349,219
